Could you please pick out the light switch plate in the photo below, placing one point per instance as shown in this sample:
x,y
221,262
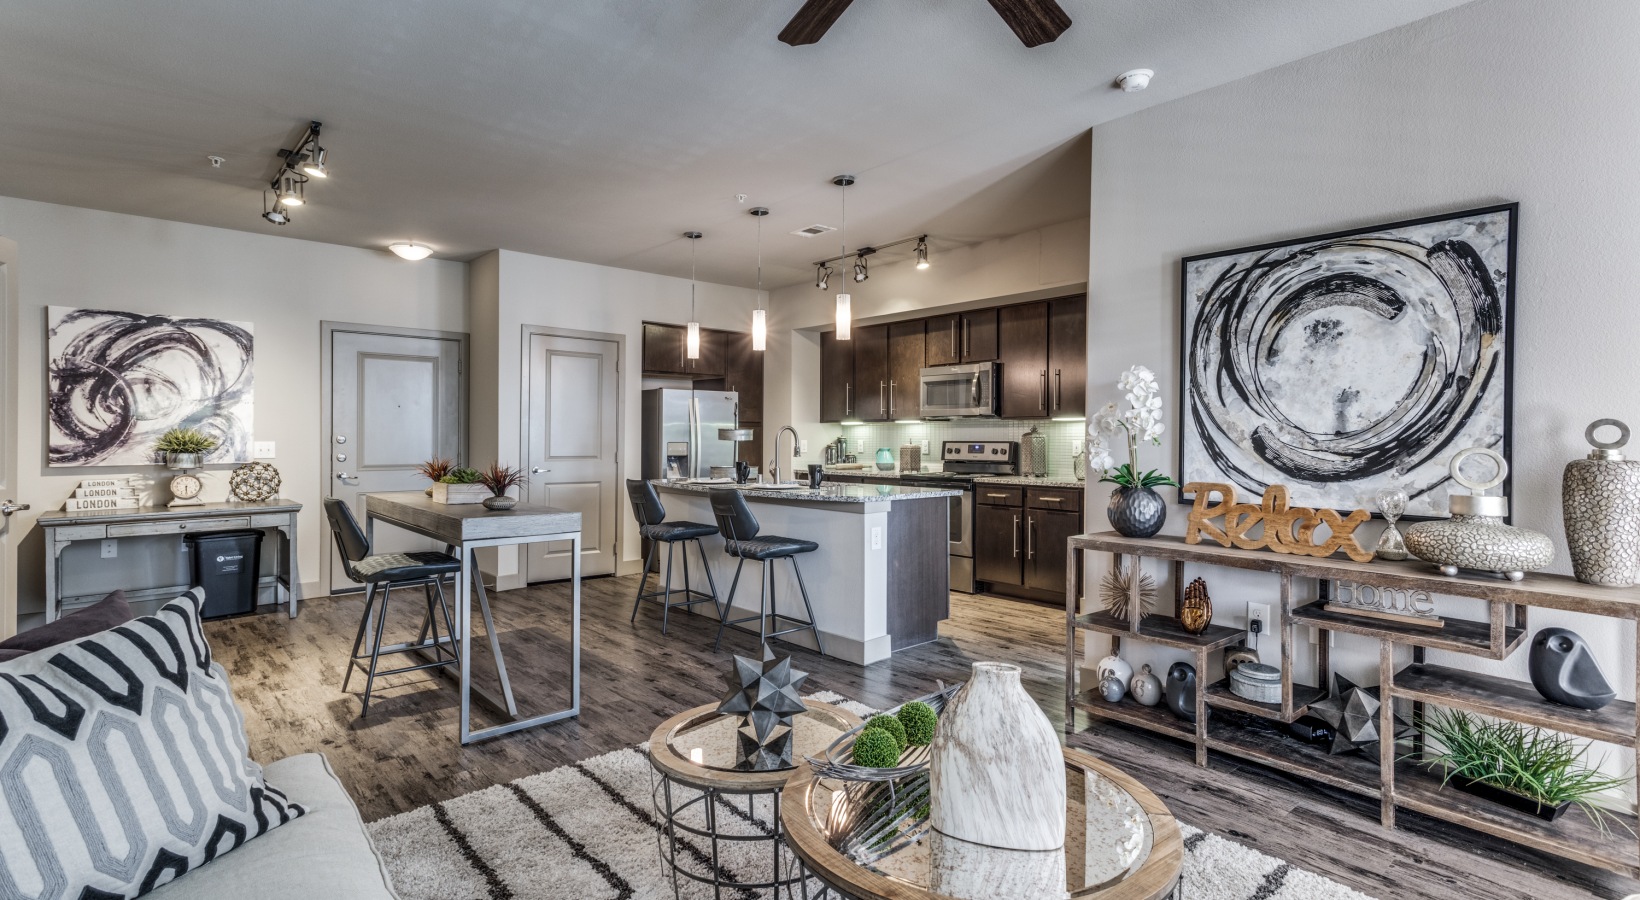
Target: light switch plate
x,y
262,450
110,548
876,538
802,448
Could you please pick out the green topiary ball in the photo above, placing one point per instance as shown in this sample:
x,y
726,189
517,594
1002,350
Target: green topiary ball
x,y
890,725
875,748
918,720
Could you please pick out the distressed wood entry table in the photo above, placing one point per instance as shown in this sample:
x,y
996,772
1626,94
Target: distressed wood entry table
x,y
464,528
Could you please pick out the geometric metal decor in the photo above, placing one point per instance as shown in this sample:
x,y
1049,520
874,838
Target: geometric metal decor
x,y
766,695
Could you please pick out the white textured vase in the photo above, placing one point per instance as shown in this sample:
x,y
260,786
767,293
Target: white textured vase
x,y
997,775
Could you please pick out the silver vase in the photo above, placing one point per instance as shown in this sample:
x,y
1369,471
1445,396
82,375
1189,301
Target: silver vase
x,y
1600,499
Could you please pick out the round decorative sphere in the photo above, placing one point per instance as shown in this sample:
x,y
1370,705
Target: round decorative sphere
x,y
919,720
1136,511
876,749
892,726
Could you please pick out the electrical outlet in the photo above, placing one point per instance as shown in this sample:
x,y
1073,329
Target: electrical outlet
x,y
876,538
1076,448
1258,622
925,449
802,448
262,450
110,548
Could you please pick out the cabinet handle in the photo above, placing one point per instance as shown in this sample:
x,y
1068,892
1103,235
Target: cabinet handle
x,y
882,399
954,354
1051,499
848,398
1016,537
1042,392
1058,390
998,496
891,400
967,333
1030,544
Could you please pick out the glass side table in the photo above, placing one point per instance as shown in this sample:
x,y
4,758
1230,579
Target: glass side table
x,y
1121,842
710,829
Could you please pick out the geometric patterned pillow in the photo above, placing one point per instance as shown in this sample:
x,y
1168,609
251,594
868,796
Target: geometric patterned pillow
x,y
124,763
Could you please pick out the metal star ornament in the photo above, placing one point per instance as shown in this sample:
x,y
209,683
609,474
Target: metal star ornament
x,y
765,694
1352,711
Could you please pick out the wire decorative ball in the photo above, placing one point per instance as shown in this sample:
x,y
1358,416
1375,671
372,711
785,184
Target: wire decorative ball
x,y
254,481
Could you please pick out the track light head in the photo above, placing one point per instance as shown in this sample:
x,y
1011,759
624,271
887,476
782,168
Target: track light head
x,y
860,273
922,252
276,215
315,166
822,275
288,189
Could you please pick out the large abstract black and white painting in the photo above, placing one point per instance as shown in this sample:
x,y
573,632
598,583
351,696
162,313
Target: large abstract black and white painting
x,y
1346,363
116,381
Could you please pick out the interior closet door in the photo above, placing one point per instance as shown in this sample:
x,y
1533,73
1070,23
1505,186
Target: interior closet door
x,y
573,412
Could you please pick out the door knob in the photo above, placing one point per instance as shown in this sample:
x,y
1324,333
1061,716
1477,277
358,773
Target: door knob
x,y
8,507
343,477
537,470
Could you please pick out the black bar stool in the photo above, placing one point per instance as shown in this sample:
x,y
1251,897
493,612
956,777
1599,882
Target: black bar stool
x,y
652,524
426,568
741,540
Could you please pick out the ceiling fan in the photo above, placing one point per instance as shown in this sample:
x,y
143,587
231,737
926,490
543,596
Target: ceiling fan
x,y
1035,21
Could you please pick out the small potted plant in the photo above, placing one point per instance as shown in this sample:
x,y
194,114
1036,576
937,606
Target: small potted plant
x,y
184,448
460,486
1525,768
1136,510
434,470
500,479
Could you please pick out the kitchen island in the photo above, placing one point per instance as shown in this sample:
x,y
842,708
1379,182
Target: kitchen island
x,y
880,581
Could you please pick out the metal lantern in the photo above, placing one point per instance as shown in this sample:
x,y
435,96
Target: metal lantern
x,y
1033,453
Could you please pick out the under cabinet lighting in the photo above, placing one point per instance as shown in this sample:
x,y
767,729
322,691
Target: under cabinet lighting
x,y
851,422
908,421
1070,418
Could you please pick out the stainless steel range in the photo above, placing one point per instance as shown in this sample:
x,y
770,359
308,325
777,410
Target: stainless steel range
x,y
966,461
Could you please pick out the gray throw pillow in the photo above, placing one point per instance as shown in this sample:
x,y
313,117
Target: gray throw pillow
x,y
124,763
100,616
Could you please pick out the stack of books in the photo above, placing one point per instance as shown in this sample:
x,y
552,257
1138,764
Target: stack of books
x,y
103,493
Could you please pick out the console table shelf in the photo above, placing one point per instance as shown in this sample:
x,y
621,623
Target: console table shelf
x,y
1396,784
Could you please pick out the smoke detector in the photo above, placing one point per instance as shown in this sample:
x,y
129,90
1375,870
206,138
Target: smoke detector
x,y
813,230
1134,79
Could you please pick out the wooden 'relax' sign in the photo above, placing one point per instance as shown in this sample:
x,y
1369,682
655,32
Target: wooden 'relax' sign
x,y
1286,530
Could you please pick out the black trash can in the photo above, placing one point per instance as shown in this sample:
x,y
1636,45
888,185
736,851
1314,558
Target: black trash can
x,y
226,564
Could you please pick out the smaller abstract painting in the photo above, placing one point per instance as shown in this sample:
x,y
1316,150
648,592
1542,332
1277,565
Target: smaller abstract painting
x,y
116,381
1345,363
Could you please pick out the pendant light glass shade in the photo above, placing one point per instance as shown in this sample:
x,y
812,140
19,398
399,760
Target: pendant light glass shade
x,y
760,324
844,316
693,341
760,329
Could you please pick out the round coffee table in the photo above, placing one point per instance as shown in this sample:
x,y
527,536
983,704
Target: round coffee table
x,y
1121,842
705,835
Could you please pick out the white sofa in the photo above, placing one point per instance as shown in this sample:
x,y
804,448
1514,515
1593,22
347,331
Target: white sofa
x,y
322,855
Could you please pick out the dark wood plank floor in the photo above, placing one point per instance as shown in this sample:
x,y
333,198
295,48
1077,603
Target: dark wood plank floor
x,y
287,675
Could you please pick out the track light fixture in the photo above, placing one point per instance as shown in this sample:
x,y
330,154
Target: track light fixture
x,y
922,252
315,165
822,276
288,188
297,164
274,213
860,273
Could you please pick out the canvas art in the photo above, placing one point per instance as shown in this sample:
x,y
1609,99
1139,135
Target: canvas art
x,y
116,381
1345,363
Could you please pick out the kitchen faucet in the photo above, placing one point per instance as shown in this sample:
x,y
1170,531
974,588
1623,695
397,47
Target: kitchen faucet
x,y
774,464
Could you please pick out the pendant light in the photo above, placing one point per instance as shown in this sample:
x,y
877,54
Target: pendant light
x,y
692,342
845,314
760,324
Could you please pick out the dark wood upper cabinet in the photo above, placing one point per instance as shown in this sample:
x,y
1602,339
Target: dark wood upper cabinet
x,y
871,373
905,363
1068,355
960,338
836,378
663,347
710,364
979,335
743,374
1023,340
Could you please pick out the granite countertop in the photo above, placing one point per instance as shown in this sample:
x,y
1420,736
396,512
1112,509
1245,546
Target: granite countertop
x,y
1032,481
831,493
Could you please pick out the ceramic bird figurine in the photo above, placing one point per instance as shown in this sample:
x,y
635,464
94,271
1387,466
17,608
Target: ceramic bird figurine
x,y
1181,691
1565,671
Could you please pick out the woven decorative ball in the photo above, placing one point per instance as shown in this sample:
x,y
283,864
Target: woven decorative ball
x,y
254,481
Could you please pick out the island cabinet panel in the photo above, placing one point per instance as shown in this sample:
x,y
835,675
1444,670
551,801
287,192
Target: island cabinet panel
x,y
905,363
1047,533
743,374
836,378
1068,355
998,544
871,373
1023,339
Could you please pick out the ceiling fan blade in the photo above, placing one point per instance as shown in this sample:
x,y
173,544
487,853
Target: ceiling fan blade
x,y
1036,22
813,21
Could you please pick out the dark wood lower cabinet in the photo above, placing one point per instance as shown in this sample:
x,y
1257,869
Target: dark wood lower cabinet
x,y
999,549
1045,547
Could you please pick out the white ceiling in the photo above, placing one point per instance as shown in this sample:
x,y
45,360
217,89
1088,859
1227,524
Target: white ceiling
x,y
598,130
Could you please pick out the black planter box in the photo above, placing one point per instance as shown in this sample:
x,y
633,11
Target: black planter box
x,y
1510,799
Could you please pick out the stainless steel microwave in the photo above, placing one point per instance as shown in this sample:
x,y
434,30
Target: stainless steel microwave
x,y
965,391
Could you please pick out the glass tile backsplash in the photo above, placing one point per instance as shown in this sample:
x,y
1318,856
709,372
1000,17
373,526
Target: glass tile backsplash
x,y
1063,438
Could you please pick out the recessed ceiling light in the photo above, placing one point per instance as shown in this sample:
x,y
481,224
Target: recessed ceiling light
x,y
405,250
1135,79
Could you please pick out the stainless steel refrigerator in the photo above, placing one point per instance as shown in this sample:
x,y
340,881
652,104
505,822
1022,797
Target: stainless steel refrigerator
x,y
680,431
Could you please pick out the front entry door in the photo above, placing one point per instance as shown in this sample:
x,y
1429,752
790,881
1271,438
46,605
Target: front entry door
x,y
395,401
573,412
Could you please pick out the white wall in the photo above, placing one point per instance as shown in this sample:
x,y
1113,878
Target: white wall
x,y
85,258
1494,101
511,290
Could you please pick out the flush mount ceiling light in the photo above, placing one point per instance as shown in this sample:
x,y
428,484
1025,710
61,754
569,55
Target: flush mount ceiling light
x,y
412,252
922,252
692,342
760,324
845,313
298,163
1134,79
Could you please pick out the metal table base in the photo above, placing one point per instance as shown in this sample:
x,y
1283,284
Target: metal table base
x,y
688,850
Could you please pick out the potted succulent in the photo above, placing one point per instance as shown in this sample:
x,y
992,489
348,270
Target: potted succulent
x,y
460,486
1525,768
184,448
435,469
1136,510
499,479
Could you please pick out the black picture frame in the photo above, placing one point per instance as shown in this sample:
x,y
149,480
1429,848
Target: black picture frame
x,y
1497,386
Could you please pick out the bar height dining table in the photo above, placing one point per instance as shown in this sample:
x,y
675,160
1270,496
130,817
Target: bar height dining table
x,y
464,528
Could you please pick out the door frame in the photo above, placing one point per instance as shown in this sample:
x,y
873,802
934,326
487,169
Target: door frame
x,y
619,340
10,484
327,336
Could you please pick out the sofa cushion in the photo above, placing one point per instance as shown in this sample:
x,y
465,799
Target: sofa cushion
x,y
123,762
100,616
326,853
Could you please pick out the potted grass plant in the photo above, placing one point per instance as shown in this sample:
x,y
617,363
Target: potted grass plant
x,y
499,479
460,486
434,470
184,448
1529,769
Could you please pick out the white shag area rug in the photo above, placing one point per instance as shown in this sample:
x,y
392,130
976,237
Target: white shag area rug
x,y
589,831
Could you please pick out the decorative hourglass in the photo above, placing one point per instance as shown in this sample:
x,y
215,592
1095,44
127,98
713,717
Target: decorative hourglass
x,y
1392,502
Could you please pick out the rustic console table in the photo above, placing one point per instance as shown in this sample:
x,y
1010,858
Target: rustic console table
x,y
1397,784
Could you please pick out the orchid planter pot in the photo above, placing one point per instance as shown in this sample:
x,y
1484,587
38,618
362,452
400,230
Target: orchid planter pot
x,y
1136,511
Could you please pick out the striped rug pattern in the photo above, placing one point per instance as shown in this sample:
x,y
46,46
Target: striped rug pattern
x,y
589,831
